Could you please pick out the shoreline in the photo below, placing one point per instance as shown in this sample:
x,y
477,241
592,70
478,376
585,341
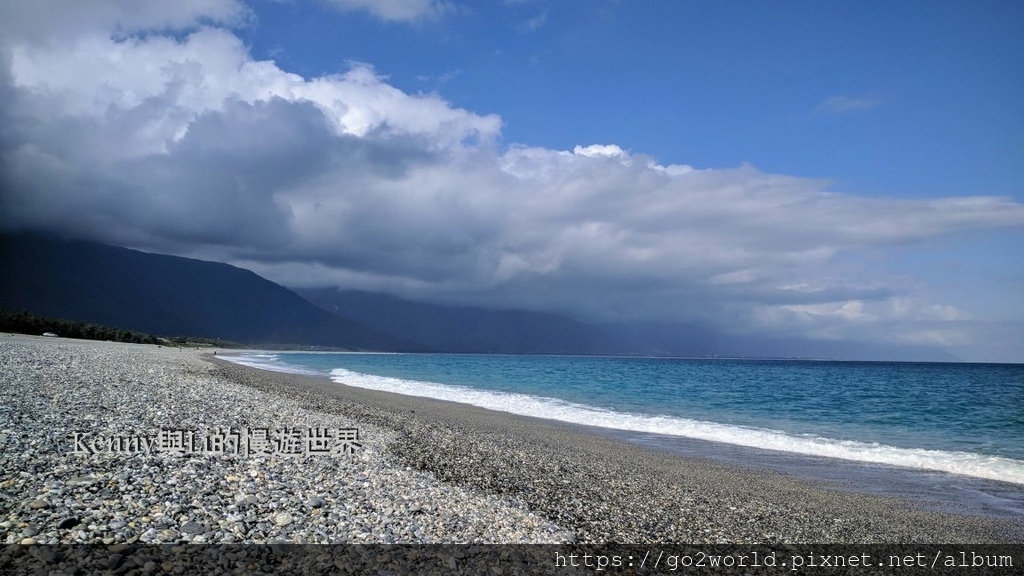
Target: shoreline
x,y
437,422
931,489
51,388
477,475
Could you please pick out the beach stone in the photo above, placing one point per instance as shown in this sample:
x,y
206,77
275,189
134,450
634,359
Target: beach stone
x,y
28,542
439,475
38,504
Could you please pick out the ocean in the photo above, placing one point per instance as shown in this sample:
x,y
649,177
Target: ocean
x,y
951,435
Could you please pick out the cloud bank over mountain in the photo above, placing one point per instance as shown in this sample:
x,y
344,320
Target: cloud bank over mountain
x,y
150,125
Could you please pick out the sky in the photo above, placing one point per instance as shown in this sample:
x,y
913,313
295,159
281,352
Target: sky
x,y
840,172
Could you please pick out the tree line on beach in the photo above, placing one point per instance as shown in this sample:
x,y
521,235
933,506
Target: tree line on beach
x,y
25,323
22,322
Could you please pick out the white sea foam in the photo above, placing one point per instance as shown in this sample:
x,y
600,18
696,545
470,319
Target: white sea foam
x,y
268,361
964,463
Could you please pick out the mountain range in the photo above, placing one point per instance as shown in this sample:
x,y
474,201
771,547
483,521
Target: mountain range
x,y
168,296
464,329
171,296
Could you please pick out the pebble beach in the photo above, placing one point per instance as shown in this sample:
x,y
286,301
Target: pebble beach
x,y
424,472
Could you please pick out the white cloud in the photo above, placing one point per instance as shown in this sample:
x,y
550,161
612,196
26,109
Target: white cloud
x,y
188,145
534,23
734,277
440,79
162,85
852,310
59,20
901,320
600,150
394,10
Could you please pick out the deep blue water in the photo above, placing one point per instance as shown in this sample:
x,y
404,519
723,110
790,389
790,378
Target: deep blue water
x,y
966,419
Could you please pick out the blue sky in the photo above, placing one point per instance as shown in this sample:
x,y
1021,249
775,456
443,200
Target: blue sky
x,y
886,98
804,171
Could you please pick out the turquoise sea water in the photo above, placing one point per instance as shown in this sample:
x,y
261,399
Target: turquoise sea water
x,y
959,419
950,436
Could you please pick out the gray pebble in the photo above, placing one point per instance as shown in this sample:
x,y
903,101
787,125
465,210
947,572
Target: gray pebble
x,y
418,478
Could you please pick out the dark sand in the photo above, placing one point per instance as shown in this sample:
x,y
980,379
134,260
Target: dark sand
x,y
607,490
